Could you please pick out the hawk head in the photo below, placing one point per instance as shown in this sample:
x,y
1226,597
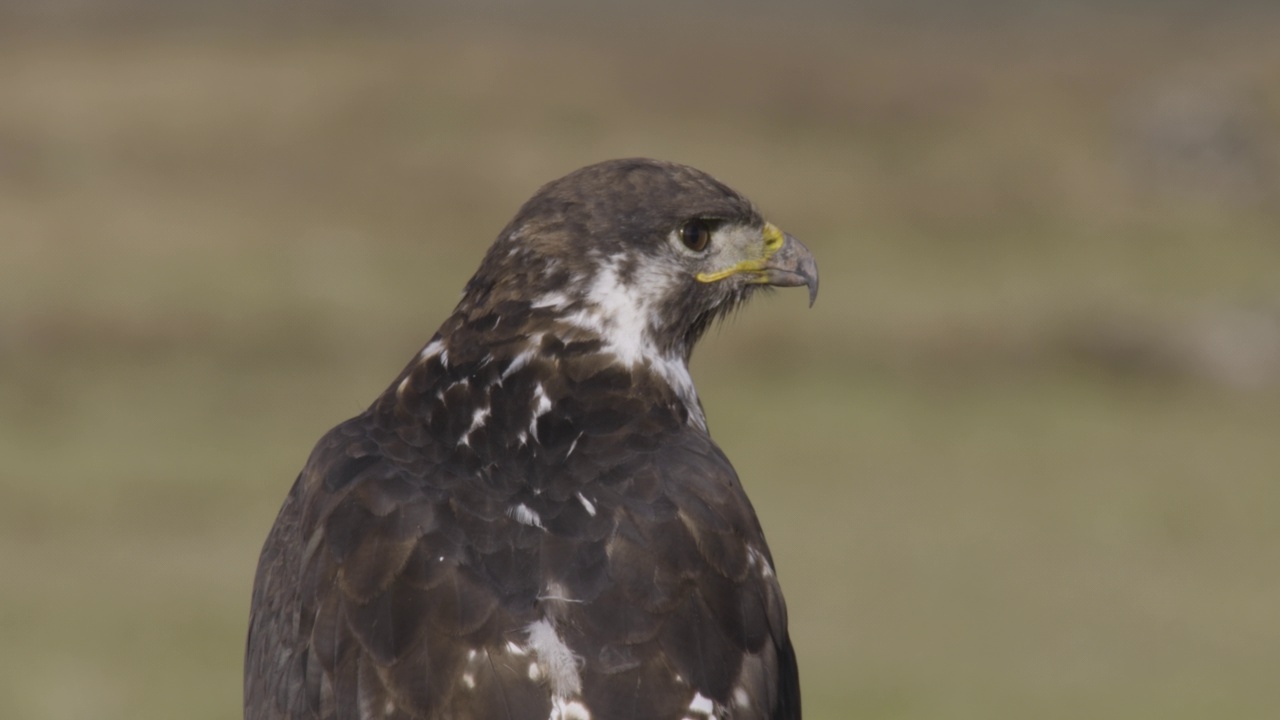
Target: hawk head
x,y
640,254
533,521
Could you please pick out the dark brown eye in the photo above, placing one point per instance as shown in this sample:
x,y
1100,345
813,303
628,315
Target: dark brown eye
x,y
696,235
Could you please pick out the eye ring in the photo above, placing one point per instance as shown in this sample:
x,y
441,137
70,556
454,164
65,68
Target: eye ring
x,y
696,235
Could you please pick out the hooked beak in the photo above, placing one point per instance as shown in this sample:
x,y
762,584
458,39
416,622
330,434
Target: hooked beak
x,y
792,265
783,262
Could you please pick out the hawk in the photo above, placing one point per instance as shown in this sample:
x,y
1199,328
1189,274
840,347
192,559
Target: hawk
x,y
532,522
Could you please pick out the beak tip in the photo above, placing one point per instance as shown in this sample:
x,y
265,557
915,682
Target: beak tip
x,y
809,270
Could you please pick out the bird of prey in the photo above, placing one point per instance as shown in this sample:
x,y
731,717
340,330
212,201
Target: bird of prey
x,y
532,522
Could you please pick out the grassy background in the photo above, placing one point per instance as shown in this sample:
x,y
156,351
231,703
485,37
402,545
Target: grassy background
x,y
1021,460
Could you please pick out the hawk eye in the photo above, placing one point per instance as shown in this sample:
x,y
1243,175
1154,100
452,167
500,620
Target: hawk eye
x,y
696,235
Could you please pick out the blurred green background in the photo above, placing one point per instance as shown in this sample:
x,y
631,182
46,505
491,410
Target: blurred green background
x,y
1021,460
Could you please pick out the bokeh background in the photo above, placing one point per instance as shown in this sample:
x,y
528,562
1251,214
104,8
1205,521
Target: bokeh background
x,y
1021,460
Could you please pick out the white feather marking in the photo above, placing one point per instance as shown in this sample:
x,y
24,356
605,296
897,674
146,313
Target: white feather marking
x,y
562,709
516,650
525,516
551,300
535,673
556,660
469,680
702,705
517,363
477,421
741,698
403,384
587,505
676,373
431,350
755,557
541,405
573,445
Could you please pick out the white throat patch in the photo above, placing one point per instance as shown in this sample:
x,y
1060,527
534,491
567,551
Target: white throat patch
x,y
622,314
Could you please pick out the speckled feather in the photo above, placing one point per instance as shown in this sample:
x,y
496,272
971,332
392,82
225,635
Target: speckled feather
x,y
525,526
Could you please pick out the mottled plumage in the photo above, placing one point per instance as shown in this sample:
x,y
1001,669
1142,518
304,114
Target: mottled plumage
x,y
532,522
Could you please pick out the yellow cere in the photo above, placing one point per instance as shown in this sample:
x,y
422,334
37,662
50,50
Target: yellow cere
x,y
773,240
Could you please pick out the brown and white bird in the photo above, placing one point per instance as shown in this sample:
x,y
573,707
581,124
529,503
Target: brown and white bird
x,y
532,522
